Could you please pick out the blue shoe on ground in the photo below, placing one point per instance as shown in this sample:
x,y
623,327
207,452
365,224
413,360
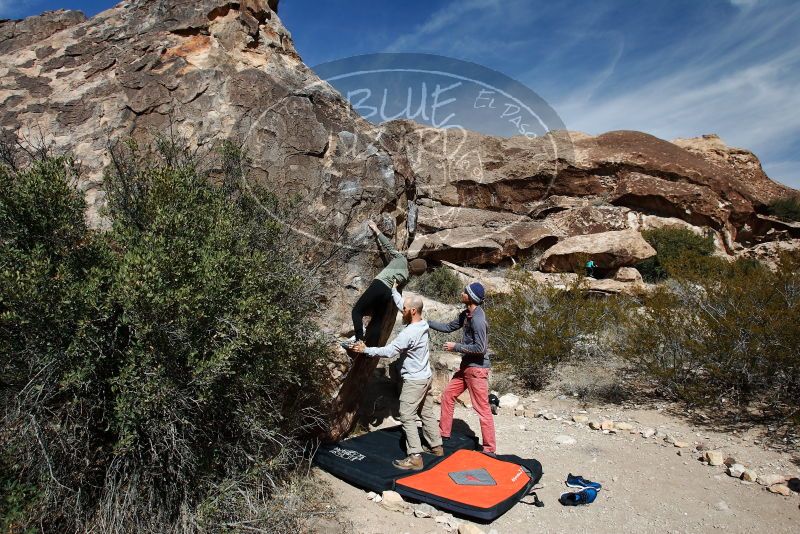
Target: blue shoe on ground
x,y
585,496
577,481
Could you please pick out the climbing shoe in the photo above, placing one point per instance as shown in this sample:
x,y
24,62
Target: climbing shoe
x,y
577,481
585,496
411,462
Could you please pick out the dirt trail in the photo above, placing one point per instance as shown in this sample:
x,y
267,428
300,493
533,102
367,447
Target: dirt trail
x,y
647,485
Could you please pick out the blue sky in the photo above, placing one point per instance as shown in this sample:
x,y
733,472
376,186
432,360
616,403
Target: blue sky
x,y
673,68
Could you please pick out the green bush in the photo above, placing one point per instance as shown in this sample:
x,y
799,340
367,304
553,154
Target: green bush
x,y
538,327
786,208
729,339
145,366
676,248
441,284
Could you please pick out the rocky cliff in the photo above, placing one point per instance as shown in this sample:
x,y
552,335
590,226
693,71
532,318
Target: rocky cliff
x,y
209,70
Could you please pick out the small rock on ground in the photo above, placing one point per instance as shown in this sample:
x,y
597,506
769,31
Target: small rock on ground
x,y
749,475
736,470
722,506
391,500
563,439
424,510
509,400
770,480
780,489
469,528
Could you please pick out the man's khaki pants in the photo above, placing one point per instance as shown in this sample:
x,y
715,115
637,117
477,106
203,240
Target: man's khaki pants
x,y
416,399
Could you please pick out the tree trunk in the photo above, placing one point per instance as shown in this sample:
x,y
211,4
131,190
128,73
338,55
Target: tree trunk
x,y
346,405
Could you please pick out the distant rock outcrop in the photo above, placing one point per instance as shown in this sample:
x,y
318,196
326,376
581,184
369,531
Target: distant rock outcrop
x,y
609,250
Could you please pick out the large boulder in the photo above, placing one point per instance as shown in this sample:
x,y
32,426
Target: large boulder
x,y
588,177
609,250
608,286
770,253
628,274
480,245
590,220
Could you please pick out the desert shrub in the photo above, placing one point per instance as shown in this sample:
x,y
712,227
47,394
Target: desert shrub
x,y
732,338
675,245
298,504
786,208
441,284
145,366
537,327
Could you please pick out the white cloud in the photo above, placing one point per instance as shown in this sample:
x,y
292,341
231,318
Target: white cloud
x,y
441,21
743,84
739,78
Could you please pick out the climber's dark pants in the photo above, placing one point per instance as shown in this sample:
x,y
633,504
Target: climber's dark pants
x,y
373,302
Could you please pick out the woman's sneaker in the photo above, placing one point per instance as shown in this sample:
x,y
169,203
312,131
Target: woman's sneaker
x,y
585,496
577,481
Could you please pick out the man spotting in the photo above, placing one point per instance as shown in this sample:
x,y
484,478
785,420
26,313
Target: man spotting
x,y
375,300
415,396
473,374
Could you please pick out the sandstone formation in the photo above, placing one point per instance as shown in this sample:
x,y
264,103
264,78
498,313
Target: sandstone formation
x,y
627,274
609,250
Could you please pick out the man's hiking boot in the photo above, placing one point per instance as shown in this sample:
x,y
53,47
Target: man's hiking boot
x,y
436,451
411,462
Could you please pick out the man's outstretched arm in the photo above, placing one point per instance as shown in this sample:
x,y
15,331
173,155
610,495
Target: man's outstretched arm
x,y
394,348
452,326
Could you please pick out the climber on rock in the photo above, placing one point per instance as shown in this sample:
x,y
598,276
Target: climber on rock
x,y
375,300
590,265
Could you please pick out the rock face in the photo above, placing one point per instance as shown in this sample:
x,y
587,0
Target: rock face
x,y
211,70
609,250
208,71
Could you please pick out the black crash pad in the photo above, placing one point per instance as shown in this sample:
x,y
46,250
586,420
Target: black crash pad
x,y
366,460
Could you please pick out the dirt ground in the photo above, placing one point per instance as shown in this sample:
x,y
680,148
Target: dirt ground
x,y
647,485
